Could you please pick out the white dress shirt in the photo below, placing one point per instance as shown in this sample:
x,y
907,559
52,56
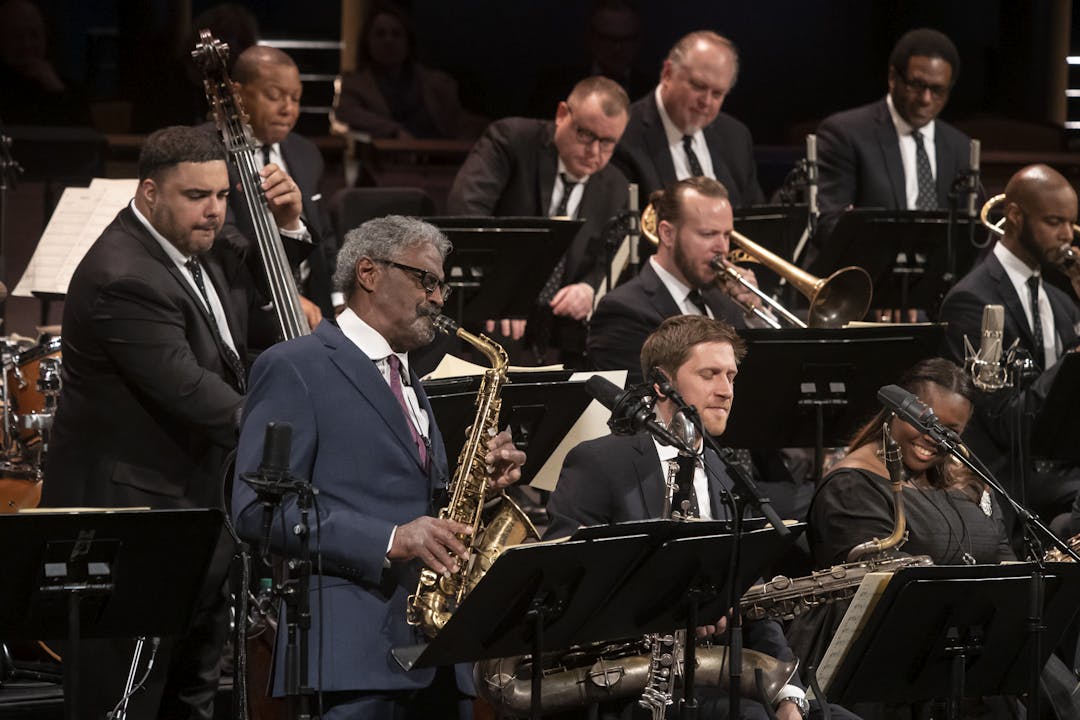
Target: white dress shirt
x,y
678,152
1018,273
679,290
575,195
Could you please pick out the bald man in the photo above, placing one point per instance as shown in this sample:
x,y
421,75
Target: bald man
x,y
268,82
677,131
1040,208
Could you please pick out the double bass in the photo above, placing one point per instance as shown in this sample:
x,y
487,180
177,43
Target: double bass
x,y
211,56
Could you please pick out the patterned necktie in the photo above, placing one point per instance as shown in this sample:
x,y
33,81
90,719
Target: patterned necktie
x,y
1039,351
568,186
696,299
927,198
555,279
195,268
395,387
691,157
684,499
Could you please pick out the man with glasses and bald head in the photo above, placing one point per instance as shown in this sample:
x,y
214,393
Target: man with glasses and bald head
x,y
527,167
895,153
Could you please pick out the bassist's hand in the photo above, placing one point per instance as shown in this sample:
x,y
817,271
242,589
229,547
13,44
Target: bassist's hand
x,y
283,196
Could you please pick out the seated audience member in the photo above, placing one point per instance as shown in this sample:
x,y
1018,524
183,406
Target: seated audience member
x,y
391,94
678,131
522,166
1040,207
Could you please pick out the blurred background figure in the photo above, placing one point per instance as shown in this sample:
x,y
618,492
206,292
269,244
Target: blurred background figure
x,y
391,94
32,92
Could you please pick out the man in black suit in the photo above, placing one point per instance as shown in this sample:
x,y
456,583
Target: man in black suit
x,y
153,333
694,223
1040,208
268,82
678,131
870,156
622,478
539,168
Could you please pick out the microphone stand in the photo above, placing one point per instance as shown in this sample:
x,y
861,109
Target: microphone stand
x,y
271,489
950,441
745,489
9,172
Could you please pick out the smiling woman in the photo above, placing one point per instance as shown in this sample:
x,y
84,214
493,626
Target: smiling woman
x,y
950,516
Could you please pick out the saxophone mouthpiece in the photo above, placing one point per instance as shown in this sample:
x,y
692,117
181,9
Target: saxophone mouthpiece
x,y
445,325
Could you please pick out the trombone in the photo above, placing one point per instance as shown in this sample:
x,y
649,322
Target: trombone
x,y
835,301
1067,259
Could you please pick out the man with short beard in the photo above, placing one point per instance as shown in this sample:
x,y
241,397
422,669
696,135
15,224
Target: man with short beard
x,y
694,224
1040,208
364,435
153,333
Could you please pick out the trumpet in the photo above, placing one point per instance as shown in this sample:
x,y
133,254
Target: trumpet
x,y
1066,258
835,301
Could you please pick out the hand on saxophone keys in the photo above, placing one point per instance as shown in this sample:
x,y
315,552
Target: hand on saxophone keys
x,y
717,628
434,541
504,461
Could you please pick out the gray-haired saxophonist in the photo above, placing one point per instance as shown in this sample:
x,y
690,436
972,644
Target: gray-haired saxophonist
x,y
621,478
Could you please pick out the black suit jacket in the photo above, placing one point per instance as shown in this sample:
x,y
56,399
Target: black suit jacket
x,y
511,171
859,161
643,155
630,312
148,407
618,479
989,431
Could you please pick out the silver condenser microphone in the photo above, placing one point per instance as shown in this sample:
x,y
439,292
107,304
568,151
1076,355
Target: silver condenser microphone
x,y
988,372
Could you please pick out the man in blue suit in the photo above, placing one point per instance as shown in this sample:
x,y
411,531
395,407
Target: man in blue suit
x,y
365,436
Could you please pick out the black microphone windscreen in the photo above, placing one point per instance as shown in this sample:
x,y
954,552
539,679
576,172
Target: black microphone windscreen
x,y
277,445
603,390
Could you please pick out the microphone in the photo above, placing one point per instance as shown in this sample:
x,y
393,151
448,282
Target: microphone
x,y
635,227
973,178
985,366
631,410
277,445
811,175
915,413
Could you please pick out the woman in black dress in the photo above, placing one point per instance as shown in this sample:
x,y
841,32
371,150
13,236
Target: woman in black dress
x,y
951,516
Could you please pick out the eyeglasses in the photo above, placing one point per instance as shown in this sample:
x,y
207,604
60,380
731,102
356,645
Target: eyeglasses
x,y
429,281
588,137
919,87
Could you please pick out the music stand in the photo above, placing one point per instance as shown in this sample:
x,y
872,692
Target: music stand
x,y
813,387
499,265
75,575
1056,426
908,254
540,408
951,632
550,596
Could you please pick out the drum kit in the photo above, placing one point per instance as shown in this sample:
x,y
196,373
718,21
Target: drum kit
x,y
29,388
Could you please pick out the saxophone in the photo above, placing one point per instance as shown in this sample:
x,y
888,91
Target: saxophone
x,y
894,463
497,522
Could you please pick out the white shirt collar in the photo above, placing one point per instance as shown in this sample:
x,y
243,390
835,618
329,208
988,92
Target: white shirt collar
x,y
678,289
368,339
569,175
674,134
179,258
1016,268
904,128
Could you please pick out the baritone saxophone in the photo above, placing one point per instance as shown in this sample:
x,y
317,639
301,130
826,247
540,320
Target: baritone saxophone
x,y
496,521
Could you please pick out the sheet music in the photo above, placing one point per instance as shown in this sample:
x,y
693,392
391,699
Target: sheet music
x,y
78,220
865,599
592,424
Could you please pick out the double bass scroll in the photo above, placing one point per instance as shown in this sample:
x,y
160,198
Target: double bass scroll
x,y
210,55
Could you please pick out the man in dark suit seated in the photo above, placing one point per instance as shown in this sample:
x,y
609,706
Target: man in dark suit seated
x,y
694,224
153,333
268,82
678,131
1040,208
622,478
364,435
895,153
522,166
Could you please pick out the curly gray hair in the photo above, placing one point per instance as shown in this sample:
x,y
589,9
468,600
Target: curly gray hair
x,y
384,239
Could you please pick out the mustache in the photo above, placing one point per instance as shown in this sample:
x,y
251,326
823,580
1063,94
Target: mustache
x,y
428,310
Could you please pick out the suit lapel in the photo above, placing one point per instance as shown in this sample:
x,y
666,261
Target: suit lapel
x,y
720,510
650,475
946,168
547,165
360,370
659,297
1007,294
889,144
656,142
438,474
217,277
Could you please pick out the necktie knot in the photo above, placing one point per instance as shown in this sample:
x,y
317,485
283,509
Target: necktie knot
x,y
568,186
697,300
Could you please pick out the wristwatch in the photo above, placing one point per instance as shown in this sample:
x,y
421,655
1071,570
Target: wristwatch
x,y
800,702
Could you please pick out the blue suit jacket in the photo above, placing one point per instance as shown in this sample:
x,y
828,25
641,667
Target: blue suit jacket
x,y
351,440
